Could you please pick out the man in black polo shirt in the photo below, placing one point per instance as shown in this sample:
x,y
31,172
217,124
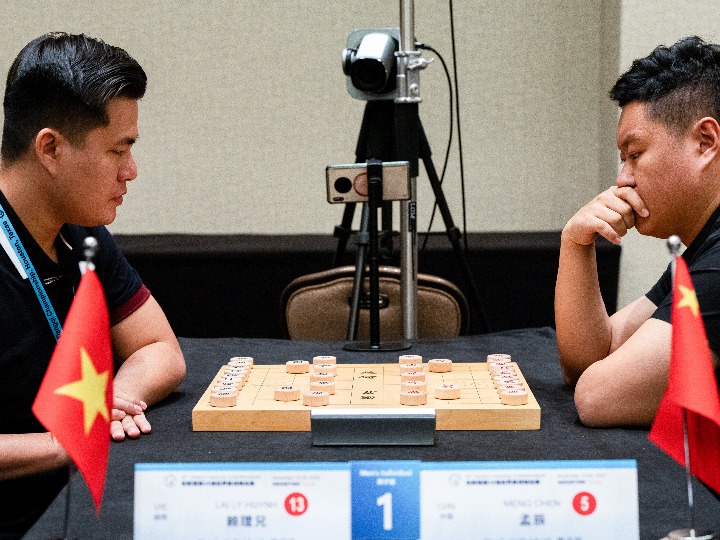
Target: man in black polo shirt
x,y
71,108
669,141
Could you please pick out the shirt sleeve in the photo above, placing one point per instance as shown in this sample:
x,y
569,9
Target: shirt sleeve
x,y
124,290
705,275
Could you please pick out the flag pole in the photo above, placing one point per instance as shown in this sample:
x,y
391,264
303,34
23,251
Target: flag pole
x,y
90,247
674,246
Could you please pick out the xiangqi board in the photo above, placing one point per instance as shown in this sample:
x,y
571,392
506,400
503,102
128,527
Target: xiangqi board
x,y
366,386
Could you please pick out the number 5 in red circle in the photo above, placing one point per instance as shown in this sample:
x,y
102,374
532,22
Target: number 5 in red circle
x,y
296,504
584,503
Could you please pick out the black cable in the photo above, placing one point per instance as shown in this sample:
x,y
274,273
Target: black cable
x,y
450,135
457,109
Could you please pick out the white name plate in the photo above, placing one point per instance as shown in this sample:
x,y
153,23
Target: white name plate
x,y
249,501
531,500
388,500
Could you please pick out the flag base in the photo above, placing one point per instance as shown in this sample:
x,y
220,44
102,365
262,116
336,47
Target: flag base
x,y
687,534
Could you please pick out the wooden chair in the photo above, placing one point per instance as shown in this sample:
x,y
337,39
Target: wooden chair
x,y
316,307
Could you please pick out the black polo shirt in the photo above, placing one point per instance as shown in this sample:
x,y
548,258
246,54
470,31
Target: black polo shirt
x,y
27,343
703,260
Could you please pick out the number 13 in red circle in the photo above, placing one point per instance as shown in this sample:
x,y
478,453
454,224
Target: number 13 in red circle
x,y
296,504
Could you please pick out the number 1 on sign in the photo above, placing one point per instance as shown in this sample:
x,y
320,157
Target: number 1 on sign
x,y
385,500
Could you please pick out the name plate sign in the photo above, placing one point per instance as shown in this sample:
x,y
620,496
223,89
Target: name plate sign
x,y
248,501
389,500
532,500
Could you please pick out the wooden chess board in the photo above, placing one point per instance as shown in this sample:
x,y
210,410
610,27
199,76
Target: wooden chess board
x,y
367,386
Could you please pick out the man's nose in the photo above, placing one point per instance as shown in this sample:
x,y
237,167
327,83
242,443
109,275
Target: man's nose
x,y
129,170
625,177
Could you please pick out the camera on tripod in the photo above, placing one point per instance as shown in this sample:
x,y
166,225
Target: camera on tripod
x,y
370,63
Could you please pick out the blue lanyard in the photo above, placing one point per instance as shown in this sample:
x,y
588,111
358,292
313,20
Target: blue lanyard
x,y
16,244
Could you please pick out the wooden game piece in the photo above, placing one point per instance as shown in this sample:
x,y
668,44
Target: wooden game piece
x,y
323,386
322,376
297,366
510,386
447,391
286,393
410,359
440,365
228,382
413,397
325,368
224,398
505,379
500,357
504,373
405,368
324,360
501,369
235,377
316,398
412,376
234,370
413,385
239,361
514,397
499,365
241,373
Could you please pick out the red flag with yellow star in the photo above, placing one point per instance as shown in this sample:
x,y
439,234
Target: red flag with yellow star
x,y
75,398
691,386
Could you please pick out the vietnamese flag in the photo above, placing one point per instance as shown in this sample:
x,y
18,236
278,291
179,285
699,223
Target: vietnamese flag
x,y
692,387
75,398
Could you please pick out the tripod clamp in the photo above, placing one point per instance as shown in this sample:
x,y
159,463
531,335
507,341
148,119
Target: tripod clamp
x,y
409,65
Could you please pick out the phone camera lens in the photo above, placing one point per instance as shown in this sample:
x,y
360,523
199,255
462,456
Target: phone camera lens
x,y
343,184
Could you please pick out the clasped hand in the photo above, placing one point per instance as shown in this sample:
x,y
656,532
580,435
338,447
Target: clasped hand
x,y
611,214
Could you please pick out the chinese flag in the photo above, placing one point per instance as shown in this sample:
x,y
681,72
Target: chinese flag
x,y
691,386
75,398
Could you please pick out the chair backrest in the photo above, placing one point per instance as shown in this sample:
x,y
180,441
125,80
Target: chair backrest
x,y
317,306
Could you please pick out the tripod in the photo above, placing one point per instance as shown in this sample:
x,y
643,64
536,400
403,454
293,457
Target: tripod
x,y
393,132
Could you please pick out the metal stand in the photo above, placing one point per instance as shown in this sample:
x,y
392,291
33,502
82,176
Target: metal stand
x,y
375,191
392,131
382,122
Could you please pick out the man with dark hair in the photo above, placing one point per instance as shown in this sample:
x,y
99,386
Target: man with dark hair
x,y
669,184
71,109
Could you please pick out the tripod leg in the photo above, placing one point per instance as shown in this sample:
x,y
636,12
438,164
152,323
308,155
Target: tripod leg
x,y
363,239
343,232
374,169
453,232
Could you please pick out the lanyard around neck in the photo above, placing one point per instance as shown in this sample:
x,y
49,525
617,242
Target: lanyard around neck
x,y
18,254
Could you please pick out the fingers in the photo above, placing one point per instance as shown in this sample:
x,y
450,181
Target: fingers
x,y
128,404
124,425
631,196
611,214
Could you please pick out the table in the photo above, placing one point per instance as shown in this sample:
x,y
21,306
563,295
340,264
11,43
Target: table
x,y
661,481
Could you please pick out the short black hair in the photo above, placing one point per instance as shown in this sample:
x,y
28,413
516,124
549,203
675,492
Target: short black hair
x,y
679,84
64,81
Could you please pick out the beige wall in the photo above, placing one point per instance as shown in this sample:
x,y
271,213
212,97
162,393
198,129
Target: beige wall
x,y
247,105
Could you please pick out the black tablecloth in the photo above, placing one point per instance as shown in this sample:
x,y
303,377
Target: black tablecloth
x,y
662,485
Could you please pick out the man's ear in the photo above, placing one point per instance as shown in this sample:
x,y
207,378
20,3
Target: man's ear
x,y
49,147
707,132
